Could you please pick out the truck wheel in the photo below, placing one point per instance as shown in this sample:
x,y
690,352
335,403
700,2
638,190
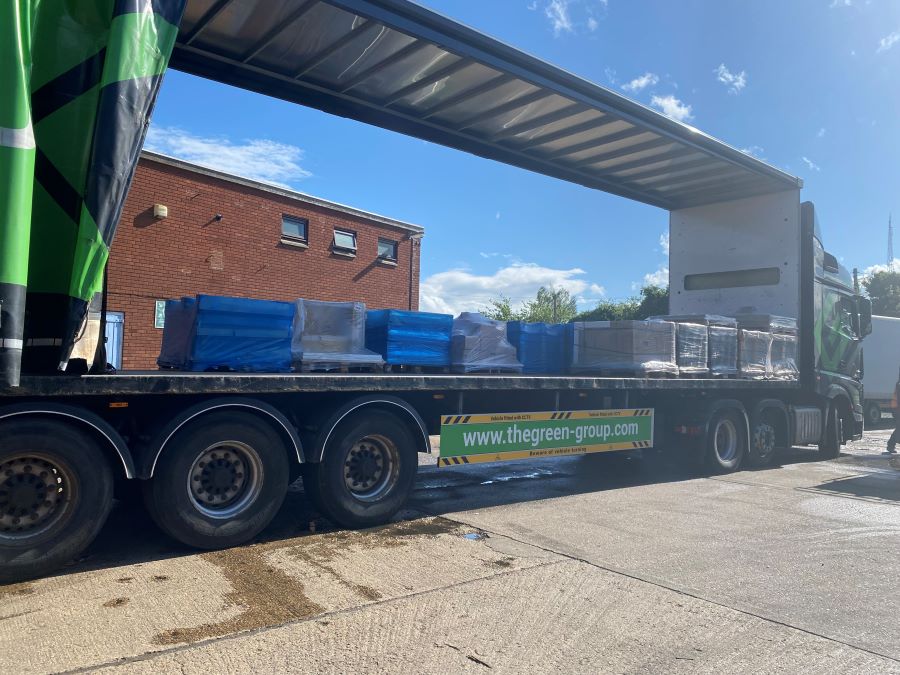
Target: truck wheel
x,y
830,446
56,490
367,471
725,443
762,443
873,414
219,481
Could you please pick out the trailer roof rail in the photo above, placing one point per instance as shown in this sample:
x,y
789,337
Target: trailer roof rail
x,y
397,65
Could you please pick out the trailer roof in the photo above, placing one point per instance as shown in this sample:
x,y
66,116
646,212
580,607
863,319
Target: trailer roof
x,y
397,65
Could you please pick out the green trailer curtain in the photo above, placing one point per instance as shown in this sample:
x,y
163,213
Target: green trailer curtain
x,y
91,71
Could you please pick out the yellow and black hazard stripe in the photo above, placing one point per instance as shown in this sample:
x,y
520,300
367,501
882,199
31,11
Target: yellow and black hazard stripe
x,y
450,461
642,412
560,416
456,419
641,444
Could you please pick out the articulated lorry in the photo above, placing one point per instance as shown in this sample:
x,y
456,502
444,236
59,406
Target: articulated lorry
x,y
213,453
881,365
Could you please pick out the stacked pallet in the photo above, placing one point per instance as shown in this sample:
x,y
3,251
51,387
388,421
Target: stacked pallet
x,y
624,347
419,339
479,344
721,343
331,336
781,355
540,347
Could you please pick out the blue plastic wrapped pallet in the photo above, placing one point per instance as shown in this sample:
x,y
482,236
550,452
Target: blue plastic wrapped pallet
x,y
409,338
236,334
539,346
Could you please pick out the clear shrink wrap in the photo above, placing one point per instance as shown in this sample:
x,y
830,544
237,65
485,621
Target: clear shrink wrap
x,y
784,357
782,325
755,354
406,338
330,335
692,348
634,347
479,343
722,340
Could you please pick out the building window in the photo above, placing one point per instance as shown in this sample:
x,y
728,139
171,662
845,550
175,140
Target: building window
x,y
294,230
387,250
345,242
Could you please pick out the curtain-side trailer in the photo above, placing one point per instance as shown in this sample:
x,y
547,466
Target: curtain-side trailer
x,y
214,453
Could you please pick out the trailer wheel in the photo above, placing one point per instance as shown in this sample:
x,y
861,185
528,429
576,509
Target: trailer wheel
x,y
56,491
873,414
830,446
367,471
763,442
725,443
219,482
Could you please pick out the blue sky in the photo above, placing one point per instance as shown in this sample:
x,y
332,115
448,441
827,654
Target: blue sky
x,y
811,86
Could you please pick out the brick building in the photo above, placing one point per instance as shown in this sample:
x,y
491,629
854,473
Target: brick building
x,y
226,235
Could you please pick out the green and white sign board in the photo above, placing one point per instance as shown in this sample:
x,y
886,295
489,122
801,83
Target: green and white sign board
x,y
159,314
469,439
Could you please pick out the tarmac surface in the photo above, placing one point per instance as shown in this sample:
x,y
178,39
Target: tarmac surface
x,y
580,564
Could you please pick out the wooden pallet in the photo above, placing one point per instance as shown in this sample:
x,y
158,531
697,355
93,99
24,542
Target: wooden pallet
x,y
340,367
488,371
416,370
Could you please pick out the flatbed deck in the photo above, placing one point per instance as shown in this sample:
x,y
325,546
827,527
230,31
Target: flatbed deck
x,y
163,382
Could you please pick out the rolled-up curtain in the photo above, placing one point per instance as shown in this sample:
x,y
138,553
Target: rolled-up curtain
x,y
87,76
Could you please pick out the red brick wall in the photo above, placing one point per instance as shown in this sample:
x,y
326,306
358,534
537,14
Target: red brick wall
x,y
189,252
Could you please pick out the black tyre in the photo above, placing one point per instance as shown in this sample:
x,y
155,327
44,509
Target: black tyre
x,y
830,446
56,490
725,442
873,414
219,481
367,471
763,442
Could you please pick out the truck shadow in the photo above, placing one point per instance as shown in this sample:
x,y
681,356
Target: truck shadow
x,y
131,538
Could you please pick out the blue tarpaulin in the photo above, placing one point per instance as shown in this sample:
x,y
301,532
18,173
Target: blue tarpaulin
x,y
539,346
406,338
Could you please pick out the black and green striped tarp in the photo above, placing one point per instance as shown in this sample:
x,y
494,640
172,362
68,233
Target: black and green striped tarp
x,y
82,80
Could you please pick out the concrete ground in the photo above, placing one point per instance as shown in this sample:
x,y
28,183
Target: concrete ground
x,y
581,564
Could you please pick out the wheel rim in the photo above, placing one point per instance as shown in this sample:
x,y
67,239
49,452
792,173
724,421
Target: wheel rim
x,y
874,415
371,467
726,440
764,440
36,493
225,479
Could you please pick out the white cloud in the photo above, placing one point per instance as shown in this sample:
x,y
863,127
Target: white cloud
x,y
460,290
888,41
734,81
841,3
820,133
558,13
672,107
642,82
658,278
664,242
592,24
497,217
255,158
873,269
532,5
811,165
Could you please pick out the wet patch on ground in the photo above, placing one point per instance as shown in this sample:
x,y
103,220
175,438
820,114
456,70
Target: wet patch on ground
x,y
116,602
266,596
15,590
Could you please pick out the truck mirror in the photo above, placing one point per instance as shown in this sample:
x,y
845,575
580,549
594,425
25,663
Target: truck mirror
x,y
865,316
831,264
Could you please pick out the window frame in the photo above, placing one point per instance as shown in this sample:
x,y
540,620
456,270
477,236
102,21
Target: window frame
x,y
394,244
293,239
344,250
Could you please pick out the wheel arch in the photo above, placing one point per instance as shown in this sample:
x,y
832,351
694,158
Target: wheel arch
x,y
111,442
404,411
153,451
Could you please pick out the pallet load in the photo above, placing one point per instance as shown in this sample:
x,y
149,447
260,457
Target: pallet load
x,y
212,333
783,350
722,341
479,344
539,346
331,336
624,347
754,354
410,338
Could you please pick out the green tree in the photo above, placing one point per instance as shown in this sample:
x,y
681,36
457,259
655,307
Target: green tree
x,y
883,289
551,305
653,301
500,309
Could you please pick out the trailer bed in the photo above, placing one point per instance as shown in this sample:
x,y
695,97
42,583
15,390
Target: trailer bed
x,y
156,382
